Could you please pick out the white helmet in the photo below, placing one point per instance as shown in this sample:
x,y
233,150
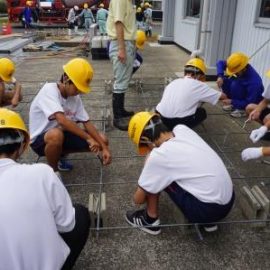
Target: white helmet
x,y
76,7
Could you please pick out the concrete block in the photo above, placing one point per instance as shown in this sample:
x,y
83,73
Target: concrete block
x,y
263,212
96,208
249,203
93,30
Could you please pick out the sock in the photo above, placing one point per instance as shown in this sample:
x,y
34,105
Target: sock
x,y
149,219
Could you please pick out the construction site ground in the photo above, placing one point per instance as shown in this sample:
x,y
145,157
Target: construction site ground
x,y
116,245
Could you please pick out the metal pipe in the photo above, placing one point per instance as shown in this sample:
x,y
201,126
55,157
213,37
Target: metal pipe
x,y
203,30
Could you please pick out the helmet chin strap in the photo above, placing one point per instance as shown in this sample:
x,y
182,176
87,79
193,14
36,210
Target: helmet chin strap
x,y
152,126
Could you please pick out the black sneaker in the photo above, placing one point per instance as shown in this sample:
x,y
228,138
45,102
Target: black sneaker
x,y
137,219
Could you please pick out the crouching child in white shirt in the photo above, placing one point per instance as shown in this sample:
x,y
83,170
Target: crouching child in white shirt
x,y
184,166
55,115
40,229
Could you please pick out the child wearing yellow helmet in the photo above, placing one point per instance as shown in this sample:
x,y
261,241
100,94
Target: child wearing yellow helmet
x,y
180,163
38,188
240,82
182,98
10,88
55,114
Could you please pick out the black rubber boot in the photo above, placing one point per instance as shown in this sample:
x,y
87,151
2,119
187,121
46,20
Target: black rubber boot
x,y
124,113
119,120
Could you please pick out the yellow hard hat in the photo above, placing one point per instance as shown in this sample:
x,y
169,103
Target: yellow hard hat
x,y
12,120
101,5
236,62
197,63
268,73
135,129
80,72
146,4
7,69
140,39
85,5
139,9
142,5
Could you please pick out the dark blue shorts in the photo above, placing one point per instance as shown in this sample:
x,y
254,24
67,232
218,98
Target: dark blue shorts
x,y
72,144
264,112
195,210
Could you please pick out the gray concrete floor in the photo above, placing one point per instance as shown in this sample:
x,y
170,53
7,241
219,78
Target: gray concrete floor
x,y
117,245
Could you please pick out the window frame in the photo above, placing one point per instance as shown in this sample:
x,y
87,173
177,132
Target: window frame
x,y
261,22
188,17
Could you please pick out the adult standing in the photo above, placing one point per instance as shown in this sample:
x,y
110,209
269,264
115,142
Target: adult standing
x,y
72,20
27,15
101,17
41,228
121,28
88,17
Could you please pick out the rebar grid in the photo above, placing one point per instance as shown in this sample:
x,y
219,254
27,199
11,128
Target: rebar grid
x,y
101,184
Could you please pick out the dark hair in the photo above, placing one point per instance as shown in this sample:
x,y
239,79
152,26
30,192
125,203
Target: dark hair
x,y
9,149
193,71
154,133
65,78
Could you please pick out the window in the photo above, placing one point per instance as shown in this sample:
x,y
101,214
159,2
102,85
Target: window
x,y
263,13
265,9
193,8
157,5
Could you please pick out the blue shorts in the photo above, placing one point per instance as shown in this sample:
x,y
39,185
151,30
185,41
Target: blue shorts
x,y
264,113
195,210
72,144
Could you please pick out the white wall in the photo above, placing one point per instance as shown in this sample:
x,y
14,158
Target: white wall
x,y
248,38
185,30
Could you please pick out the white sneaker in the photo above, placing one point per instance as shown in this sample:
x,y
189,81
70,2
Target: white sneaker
x,y
210,228
227,108
238,113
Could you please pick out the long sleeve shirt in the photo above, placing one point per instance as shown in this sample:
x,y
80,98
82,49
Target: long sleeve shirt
x,y
245,89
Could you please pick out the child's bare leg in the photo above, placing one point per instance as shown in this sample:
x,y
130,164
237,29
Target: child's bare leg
x,y
152,202
17,95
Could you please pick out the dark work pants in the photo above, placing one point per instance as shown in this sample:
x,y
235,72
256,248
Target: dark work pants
x,y
77,238
190,121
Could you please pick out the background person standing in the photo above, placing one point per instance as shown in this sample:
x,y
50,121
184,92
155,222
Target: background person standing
x,y
101,17
121,28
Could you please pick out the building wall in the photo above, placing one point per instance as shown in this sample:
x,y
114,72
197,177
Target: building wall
x,y
248,38
185,30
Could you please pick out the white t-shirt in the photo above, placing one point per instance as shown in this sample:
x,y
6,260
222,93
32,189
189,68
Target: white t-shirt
x,y
49,101
190,162
182,97
34,207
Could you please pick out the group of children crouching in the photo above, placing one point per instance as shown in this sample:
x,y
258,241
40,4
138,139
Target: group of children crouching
x,y
178,160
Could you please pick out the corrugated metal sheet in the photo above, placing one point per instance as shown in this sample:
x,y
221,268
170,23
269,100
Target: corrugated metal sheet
x,y
248,38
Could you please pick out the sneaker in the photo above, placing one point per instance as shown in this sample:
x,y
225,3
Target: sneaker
x,y
227,108
238,113
64,165
137,219
210,228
